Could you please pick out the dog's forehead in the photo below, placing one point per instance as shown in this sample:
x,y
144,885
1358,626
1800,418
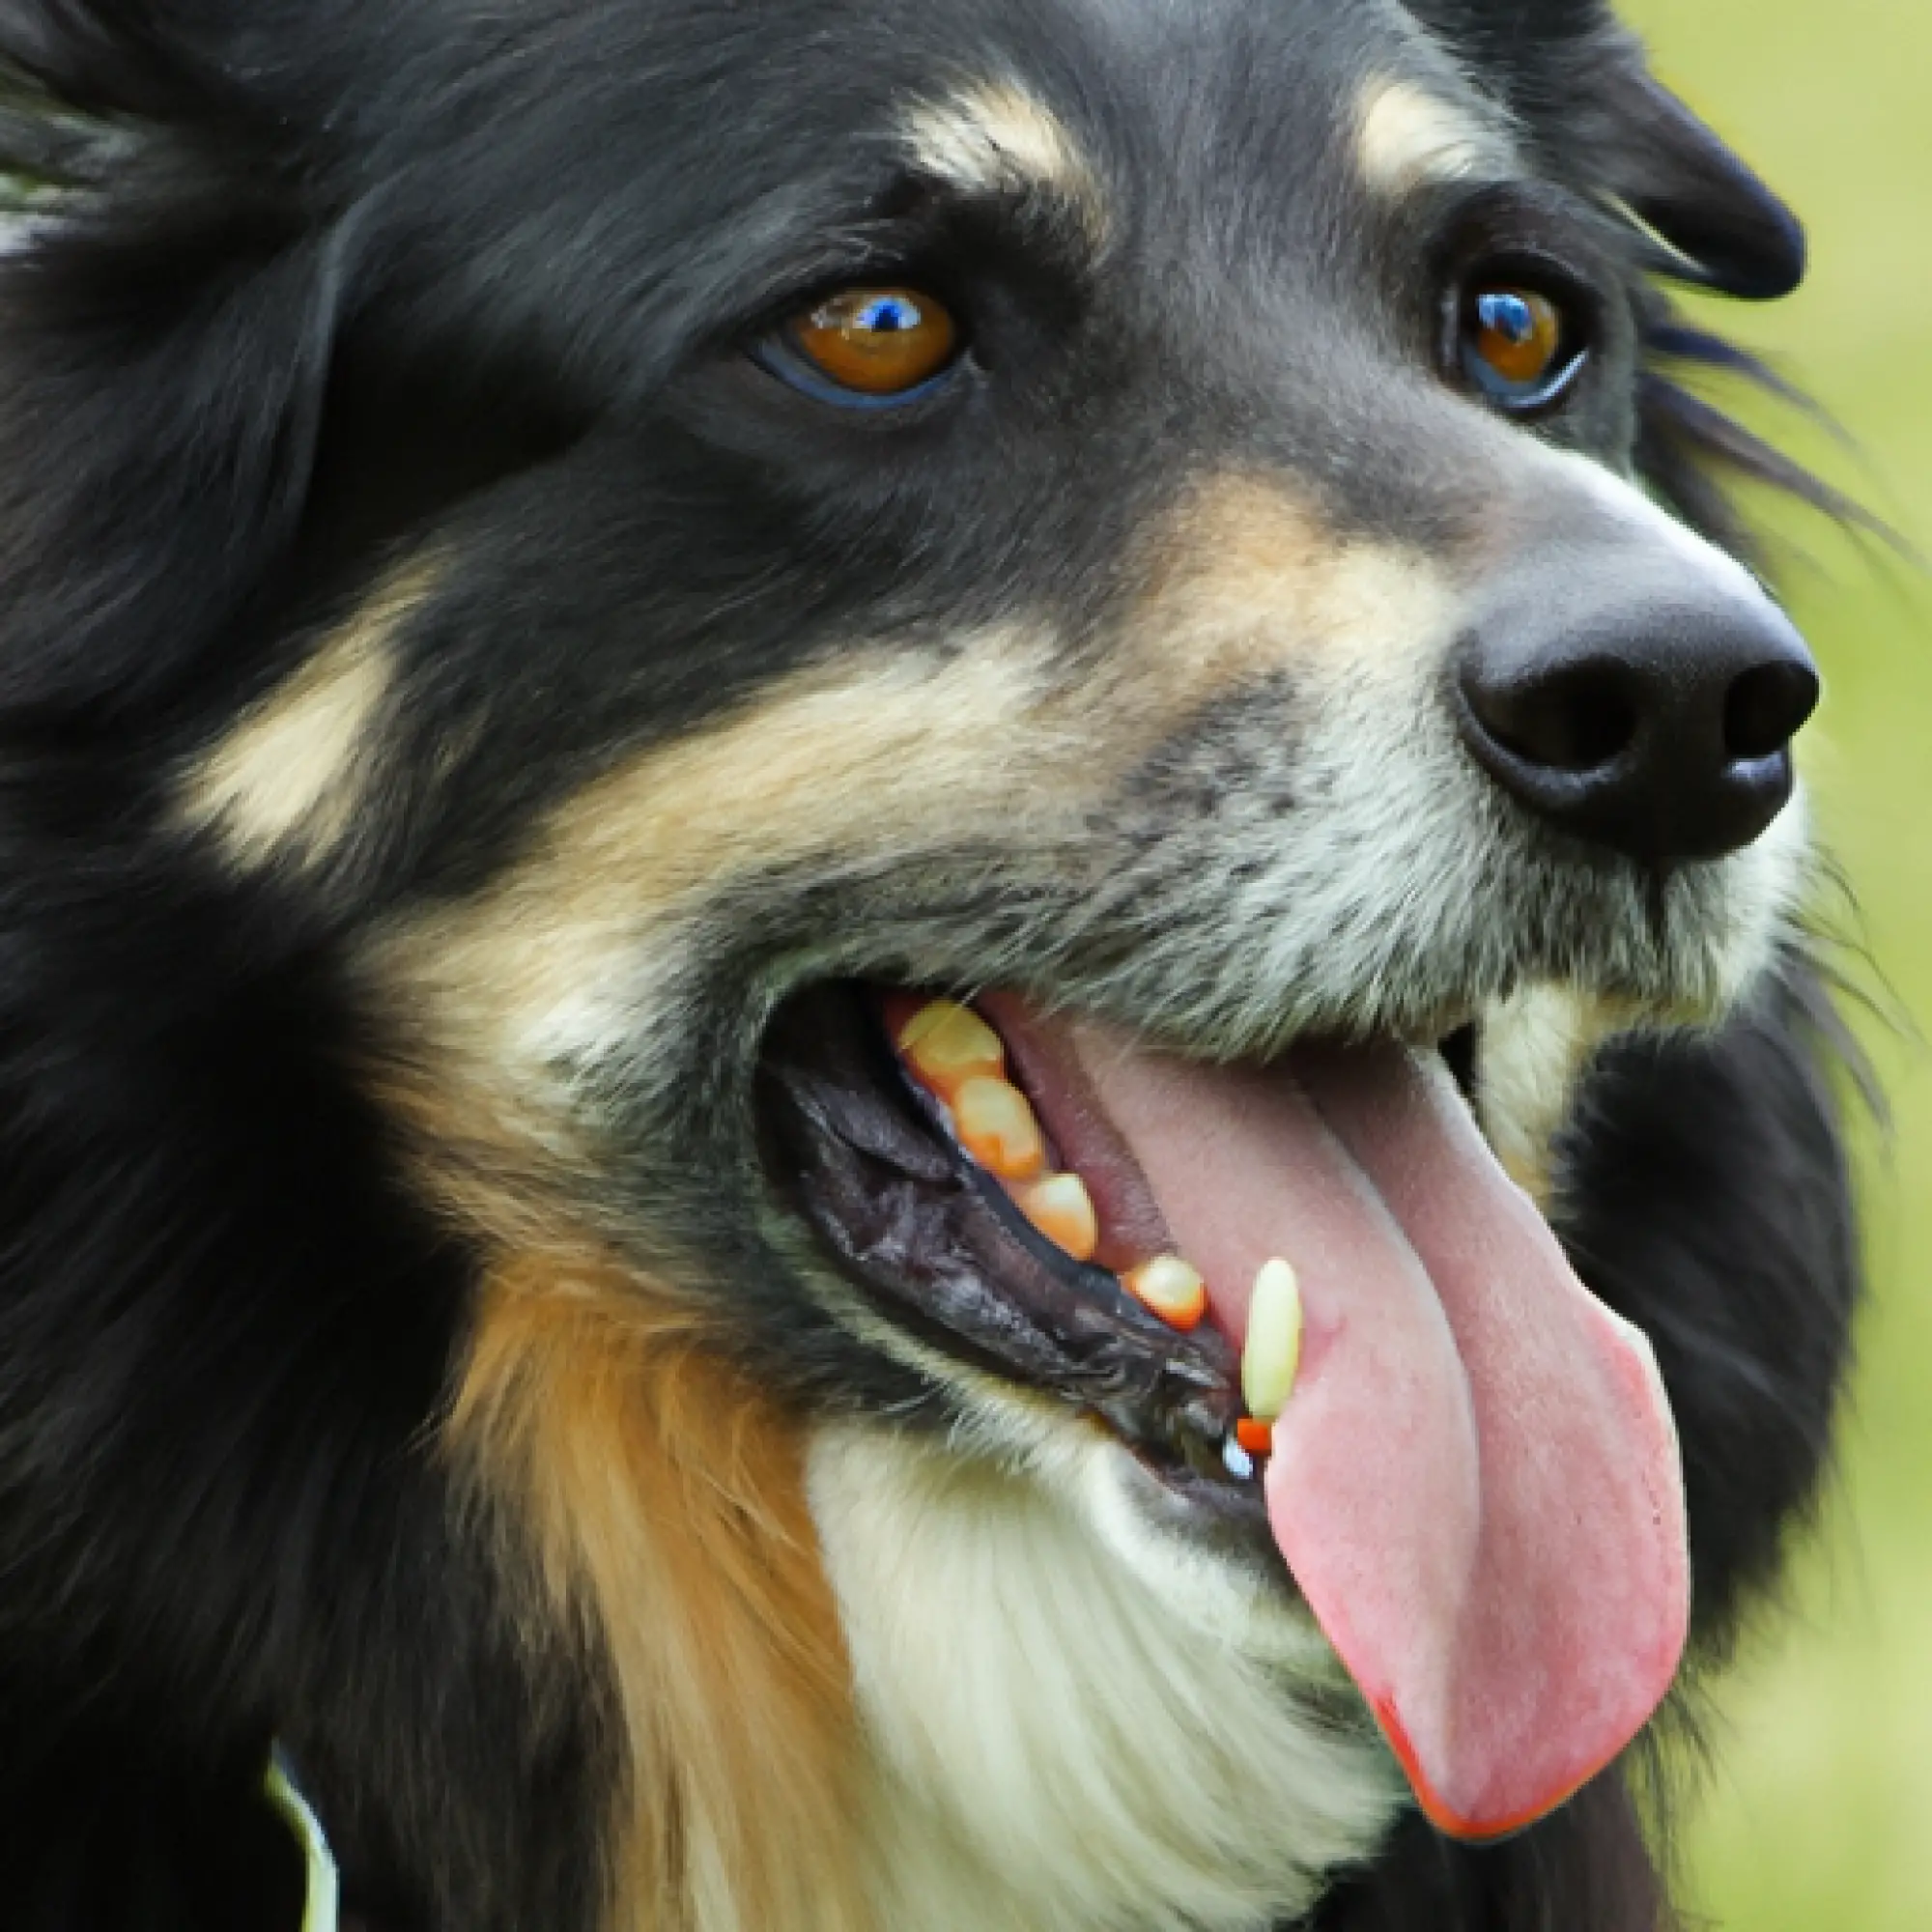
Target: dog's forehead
x,y
1138,98
653,126
1282,65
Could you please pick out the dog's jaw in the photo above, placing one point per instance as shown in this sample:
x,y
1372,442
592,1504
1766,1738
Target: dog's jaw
x,y
1067,1721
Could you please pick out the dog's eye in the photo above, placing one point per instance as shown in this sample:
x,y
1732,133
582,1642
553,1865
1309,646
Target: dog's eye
x,y
864,345
1519,347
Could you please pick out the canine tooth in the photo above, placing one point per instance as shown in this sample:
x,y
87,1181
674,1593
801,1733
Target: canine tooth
x,y
947,1044
1272,1352
1060,1207
996,1126
1171,1288
1236,1460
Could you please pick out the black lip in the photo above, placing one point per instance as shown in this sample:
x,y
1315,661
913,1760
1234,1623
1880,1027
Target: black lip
x,y
938,1249
1082,1277
1459,1050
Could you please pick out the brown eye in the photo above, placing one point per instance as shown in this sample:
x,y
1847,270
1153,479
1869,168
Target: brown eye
x,y
881,343
1519,347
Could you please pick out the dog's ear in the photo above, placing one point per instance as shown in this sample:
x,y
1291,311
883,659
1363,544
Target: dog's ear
x,y
1580,84
167,312
1724,228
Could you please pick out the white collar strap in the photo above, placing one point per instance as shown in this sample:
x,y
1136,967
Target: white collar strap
x,y
321,1910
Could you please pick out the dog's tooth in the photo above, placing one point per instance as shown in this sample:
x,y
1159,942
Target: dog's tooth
x,y
996,1126
1170,1289
1236,1460
1060,1207
1272,1352
947,1044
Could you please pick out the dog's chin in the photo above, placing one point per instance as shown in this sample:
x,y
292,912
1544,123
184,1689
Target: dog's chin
x,y
1210,1573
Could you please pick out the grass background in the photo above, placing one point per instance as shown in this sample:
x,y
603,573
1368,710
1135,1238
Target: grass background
x,y
1819,1812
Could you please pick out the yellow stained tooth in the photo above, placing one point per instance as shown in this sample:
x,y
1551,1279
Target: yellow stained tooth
x,y
996,1126
947,1044
1170,1289
1272,1352
1060,1207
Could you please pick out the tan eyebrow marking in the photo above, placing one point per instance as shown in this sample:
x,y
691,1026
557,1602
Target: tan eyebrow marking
x,y
997,137
290,777
1406,135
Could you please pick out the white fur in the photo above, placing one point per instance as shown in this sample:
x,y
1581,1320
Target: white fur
x,y
1073,1723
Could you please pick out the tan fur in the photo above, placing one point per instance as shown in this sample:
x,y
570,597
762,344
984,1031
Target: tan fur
x,y
288,781
662,1496
881,754
998,137
1408,135
1244,577
1533,1049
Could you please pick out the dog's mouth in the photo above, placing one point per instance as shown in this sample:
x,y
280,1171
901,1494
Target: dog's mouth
x,y
1300,1290
967,1179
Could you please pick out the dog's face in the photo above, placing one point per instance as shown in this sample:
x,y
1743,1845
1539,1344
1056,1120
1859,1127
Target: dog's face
x,y
1135,511
1125,655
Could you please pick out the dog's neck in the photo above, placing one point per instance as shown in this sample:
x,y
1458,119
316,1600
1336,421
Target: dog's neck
x,y
1047,1743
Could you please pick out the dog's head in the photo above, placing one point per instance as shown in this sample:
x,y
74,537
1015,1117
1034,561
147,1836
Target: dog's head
x,y
658,542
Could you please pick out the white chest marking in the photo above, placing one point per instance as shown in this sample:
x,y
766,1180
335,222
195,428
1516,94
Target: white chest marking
x,y
1051,1747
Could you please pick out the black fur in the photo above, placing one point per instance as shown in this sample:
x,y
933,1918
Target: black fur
x,y
334,274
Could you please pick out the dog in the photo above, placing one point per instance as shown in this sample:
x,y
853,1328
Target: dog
x,y
833,840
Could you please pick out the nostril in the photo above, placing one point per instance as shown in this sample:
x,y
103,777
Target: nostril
x,y
1576,718
1766,707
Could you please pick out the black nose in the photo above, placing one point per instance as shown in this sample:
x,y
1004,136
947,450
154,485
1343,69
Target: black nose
x,y
1660,728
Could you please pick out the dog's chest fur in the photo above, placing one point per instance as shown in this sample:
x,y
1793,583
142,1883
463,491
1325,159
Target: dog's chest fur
x,y
1049,1747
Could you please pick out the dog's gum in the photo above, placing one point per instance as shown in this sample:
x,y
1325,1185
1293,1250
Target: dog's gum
x,y
1170,1289
947,1044
1060,1207
1272,1355
996,1125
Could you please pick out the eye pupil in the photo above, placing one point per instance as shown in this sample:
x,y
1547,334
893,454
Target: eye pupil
x,y
1508,314
888,315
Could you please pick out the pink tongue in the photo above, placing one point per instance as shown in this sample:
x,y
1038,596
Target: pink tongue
x,y
1476,1481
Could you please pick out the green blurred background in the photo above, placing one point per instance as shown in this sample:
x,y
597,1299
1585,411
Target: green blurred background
x,y
1818,1813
